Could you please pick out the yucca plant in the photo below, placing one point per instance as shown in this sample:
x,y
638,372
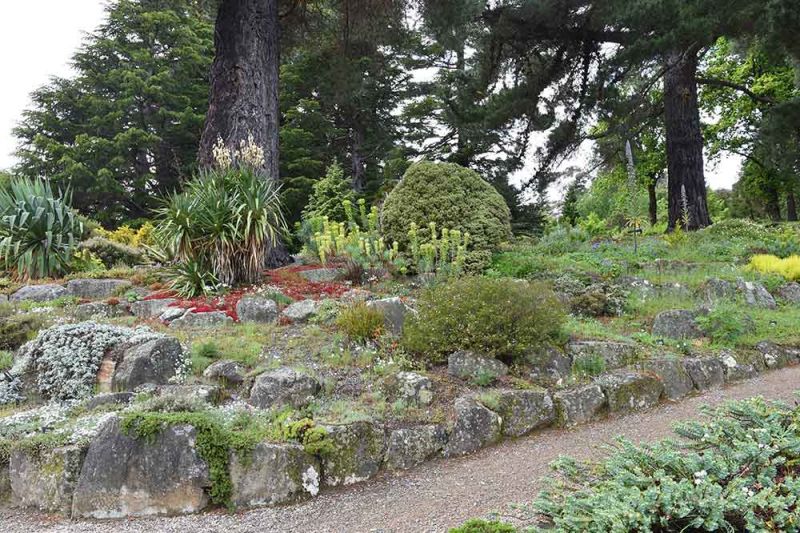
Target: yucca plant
x,y
228,219
39,231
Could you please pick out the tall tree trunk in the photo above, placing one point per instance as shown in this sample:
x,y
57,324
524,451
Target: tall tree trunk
x,y
684,142
244,81
359,168
652,200
791,207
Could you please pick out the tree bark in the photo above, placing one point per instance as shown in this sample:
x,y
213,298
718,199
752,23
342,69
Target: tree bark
x,y
791,207
684,143
244,81
359,166
652,200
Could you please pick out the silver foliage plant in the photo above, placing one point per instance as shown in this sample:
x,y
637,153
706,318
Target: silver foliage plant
x,y
65,359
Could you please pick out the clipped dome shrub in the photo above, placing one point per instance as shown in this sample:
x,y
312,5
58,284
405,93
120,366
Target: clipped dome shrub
x,y
452,197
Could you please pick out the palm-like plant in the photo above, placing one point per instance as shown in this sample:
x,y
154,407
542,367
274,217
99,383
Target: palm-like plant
x,y
227,220
38,230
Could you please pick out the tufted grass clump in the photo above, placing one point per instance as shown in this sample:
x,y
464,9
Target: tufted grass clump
x,y
360,322
477,525
499,318
736,472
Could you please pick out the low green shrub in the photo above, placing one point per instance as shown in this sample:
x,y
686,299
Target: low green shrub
x,y
449,196
724,324
483,526
17,329
112,253
736,472
360,322
500,318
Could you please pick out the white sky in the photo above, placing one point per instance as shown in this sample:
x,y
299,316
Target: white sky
x,y
38,37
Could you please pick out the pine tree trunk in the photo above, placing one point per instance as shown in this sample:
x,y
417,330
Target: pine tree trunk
x,y
791,207
652,200
244,80
684,142
773,204
359,167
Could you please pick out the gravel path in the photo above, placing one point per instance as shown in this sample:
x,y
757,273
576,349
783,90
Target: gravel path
x,y
438,494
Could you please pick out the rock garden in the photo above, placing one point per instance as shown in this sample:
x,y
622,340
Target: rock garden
x,y
146,389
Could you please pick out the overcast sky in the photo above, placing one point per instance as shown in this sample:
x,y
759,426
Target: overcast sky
x,y
38,37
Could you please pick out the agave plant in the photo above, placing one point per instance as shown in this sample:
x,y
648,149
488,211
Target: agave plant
x,y
38,230
228,219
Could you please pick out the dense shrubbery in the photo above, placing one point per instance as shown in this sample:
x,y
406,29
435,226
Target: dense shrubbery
x,y
39,231
329,196
789,267
112,253
224,225
450,196
737,472
496,317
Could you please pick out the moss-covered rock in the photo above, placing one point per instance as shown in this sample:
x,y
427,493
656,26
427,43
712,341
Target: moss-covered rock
x,y
475,427
272,474
45,479
629,391
706,372
409,447
451,197
355,453
677,382
523,411
578,405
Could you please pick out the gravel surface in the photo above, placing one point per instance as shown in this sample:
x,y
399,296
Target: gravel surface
x,y
437,495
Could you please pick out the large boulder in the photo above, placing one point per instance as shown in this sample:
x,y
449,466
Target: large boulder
x,y
714,290
776,356
155,361
272,474
737,367
301,311
321,275
225,372
615,354
5,483
677,382
409,447
252,308
629,391
475,427
706,372
676,324
394,313
356,453
95,289
755,294
579,405
283,387
151,308
39,293
414,389
202,320
549,365
46,479
790,293
469,365
523,411
99,310
125,476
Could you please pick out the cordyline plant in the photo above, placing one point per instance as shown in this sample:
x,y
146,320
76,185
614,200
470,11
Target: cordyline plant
x,y
224,226
38,230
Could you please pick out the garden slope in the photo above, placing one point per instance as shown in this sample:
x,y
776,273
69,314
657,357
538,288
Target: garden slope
x,y
441,494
